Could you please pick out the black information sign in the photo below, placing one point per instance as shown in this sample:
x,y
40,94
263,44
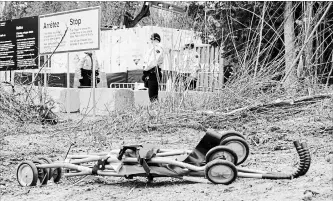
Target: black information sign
x,y
19,44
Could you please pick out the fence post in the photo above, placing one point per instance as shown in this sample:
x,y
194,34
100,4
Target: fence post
x,y
216,61
207,57
211,64
221,66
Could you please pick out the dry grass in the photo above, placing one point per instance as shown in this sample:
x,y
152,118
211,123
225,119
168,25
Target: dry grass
x,y
21,107
188,110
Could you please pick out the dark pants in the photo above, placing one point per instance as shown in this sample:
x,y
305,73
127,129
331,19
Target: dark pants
x,y
87,77
193,84
150,80
153,90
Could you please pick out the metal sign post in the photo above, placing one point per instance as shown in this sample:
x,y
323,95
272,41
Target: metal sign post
x,y
70,31
94,86
68,86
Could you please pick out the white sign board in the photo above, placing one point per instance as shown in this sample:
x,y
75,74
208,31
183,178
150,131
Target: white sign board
x,y
75,30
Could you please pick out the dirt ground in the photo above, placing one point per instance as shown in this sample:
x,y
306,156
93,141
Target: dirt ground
x,y
271,145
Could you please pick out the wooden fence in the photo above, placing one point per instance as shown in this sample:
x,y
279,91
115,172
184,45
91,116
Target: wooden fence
x,y
211,76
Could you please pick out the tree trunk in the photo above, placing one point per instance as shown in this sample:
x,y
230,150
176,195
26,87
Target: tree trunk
x,y
2,9
309,46
260,39
289,39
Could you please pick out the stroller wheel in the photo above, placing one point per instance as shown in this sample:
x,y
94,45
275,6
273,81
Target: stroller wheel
x,y
27,174
220,172
226,134
221,152
43,173
54,173
239,146
47,161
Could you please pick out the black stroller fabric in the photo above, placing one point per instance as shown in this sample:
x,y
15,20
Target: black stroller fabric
x,y
211,139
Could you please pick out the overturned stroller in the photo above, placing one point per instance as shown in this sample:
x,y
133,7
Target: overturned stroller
x,y
214,160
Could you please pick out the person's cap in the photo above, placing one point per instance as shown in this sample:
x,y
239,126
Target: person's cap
x,y
155,36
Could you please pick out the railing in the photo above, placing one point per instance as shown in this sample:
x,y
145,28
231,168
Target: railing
x,y
123,85
134,86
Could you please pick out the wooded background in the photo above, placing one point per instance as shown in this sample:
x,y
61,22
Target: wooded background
x,y
290,42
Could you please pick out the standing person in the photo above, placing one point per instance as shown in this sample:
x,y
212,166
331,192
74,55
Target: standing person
x,y
86,64
152,73
192,66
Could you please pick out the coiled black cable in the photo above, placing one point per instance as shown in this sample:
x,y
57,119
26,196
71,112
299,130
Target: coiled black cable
x,y
305,161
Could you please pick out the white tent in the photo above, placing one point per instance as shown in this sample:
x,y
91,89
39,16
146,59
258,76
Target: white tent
x,y
123,49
